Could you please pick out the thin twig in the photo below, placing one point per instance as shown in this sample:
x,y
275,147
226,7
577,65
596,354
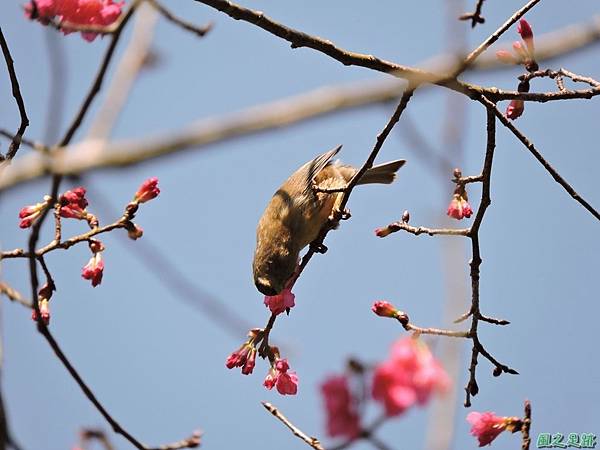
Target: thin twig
x,y
397,226
405,322
311,441
16,91
472,388
529,145
199,31
97,84
496,34
64,245
14,296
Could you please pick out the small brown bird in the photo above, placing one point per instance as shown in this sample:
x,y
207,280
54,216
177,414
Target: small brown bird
x,y
297,212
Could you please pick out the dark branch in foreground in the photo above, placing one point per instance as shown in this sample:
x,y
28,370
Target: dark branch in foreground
x,y
16,91
475,17
529,145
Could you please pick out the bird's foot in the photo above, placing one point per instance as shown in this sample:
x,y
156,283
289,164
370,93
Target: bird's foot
x,y
318,248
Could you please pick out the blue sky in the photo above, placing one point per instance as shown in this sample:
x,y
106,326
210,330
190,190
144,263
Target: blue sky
x,y
157,362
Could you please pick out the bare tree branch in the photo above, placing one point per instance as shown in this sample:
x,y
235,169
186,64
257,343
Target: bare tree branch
x,y
311,441
529,145
16,91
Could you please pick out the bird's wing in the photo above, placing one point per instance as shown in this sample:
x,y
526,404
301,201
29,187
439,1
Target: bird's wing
x,y
311,169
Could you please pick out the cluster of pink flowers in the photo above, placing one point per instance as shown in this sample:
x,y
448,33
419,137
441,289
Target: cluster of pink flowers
x,y
410,376
279,375
245,356
282,378
487,426
280,302
524,53
75,13
340,407
72,204
459,207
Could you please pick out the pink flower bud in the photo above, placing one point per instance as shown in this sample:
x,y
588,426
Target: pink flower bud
x,y
459,208
506,57
524,29
486,426
269,382
384,309
29,214
238,358
280,302
147,191
515,109
73,204
94,269
44,306
248,366
520,51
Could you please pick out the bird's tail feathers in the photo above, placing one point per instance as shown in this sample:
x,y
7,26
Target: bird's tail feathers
x,y
383,173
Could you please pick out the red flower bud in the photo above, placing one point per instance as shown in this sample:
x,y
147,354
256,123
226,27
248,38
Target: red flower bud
x,y
384,309
147,191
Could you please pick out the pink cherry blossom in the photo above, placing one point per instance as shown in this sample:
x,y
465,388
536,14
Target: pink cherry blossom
x,y
280,377
280,302
486,426
411,375
459,208
340,407
94,269
75,12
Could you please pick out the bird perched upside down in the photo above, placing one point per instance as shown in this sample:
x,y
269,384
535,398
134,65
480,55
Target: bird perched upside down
x,y
297,212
